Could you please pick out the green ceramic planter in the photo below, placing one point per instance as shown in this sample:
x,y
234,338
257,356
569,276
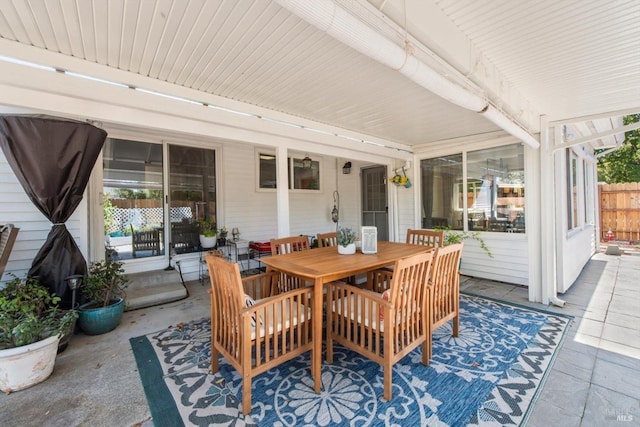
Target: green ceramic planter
x,y
100,320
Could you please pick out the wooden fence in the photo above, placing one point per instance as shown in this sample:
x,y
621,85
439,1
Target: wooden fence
x,y
620,211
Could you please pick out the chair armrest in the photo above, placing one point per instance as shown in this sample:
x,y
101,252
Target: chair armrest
x,y
342,289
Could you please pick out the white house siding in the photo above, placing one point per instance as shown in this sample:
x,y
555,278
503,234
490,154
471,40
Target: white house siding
x,y
405,210
350,191
578,247
16,208
510,262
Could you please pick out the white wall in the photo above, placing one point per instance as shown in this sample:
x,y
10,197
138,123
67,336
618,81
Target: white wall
x,y
254,211
510,262
574,247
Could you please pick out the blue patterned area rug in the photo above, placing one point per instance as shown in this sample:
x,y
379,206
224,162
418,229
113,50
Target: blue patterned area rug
x,y
490,375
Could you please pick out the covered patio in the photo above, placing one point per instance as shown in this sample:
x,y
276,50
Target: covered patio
x,y
591,383
459,98
268,116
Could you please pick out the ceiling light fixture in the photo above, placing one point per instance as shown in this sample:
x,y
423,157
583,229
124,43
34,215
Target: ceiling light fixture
x,y
306,162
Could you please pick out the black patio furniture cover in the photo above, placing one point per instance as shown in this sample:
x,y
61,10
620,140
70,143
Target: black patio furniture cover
x,y
52,159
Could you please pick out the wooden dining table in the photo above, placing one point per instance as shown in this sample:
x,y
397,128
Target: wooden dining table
x,y
324,265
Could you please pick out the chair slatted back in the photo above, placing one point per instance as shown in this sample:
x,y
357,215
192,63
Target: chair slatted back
x,y
227,299
383,327
327,239
286,245
145,241
430,238
444,288
408,297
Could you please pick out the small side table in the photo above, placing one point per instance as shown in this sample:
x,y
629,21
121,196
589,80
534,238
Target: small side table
x,y
241,249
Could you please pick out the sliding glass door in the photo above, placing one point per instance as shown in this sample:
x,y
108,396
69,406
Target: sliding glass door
x,y
192,194
133,199
136,223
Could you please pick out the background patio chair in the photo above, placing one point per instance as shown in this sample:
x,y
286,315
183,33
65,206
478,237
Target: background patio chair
x,y
185,237
145,241
255,334
430,238
383,330
443,297
327,239
286,245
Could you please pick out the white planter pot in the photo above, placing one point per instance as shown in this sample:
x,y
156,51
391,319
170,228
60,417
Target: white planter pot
x,y
207,242
24,366
347,250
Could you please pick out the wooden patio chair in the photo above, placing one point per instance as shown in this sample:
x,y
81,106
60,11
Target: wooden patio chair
x,y
8,234
443,300
327,239
286,245
380,328
145,241
430,238
184,237
255,334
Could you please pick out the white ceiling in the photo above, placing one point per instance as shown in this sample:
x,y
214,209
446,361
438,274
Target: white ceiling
x,y
561,58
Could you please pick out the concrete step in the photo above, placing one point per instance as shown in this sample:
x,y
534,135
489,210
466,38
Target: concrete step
x,y
153,288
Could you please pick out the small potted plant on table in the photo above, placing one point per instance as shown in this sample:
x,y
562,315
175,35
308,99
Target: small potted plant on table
x,y
104,292
346,240
31,324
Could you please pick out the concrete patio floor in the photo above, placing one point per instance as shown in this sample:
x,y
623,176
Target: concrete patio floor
x,y
595,380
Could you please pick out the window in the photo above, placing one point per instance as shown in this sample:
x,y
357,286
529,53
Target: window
x,y
304,178
441,178
572,189
499,201
492,195
267,170
134,208
589,195
299,176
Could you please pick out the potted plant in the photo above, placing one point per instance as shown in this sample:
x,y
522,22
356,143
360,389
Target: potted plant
x,y
104,292
451,237
31,324
346,240
208,234
222,236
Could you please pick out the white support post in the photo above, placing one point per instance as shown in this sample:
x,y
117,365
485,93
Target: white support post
x,y
282,192
547,216
533,214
